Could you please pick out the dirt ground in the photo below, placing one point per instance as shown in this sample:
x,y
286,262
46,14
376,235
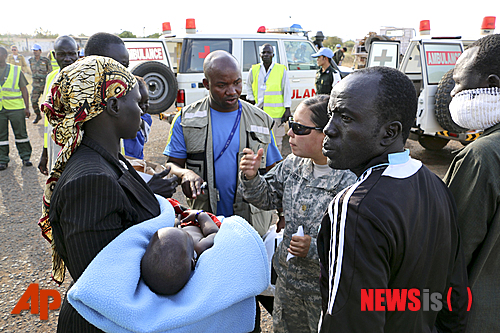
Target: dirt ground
x,y
25,255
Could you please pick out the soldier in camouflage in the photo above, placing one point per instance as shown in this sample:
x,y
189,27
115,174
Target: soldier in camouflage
x,y
40,67
303,185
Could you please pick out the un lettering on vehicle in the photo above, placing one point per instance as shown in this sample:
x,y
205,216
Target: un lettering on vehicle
x,y
298,94
145,53
439,58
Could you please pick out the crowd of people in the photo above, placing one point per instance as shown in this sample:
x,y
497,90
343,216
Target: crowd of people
x,y
356,211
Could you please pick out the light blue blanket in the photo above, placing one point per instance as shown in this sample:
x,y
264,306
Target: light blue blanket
x,y
219,297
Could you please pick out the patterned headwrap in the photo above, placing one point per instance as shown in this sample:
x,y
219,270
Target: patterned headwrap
x,y
79,93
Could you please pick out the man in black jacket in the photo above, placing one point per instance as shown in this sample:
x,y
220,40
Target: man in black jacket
x,y
389,245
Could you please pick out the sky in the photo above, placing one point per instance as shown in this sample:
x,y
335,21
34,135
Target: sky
x,y
344,19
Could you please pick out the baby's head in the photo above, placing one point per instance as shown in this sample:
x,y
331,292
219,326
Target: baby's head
x,y
169,259
144,91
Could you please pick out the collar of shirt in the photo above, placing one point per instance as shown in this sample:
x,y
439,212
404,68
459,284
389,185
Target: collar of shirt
x,y
399,158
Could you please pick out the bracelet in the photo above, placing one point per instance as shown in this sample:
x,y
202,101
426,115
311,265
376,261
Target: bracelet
x,y
201,211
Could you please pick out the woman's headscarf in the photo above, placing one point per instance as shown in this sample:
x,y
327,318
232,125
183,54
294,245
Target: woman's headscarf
x,y
79,93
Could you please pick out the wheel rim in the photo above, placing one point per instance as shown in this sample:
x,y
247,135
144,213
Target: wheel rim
x,y
157,87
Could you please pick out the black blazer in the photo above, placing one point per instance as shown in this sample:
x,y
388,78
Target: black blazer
x,y
96,198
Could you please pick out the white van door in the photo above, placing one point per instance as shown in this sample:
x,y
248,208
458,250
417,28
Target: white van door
x,y
426,65
384,53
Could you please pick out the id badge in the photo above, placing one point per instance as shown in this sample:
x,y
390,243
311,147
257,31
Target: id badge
x,y
263,87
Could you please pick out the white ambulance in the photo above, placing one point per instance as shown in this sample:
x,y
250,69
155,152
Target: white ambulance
x,y
149,58
159,60
429,63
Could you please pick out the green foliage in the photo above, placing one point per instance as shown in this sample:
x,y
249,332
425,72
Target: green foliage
x,y
155,35
349,44
331,41
127,34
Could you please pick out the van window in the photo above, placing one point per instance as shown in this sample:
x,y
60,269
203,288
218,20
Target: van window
x,y
194,52
298,55
414,61
440,58
251,52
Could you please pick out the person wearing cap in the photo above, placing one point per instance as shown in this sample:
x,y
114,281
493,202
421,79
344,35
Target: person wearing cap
x,y
338,56
14,108
17,59
40,67
325,80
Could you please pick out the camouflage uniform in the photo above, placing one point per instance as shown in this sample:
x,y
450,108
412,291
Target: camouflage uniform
x,y
39,70
291,185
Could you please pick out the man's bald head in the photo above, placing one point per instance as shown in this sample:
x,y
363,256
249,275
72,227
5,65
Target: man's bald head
x,y
217,61
223,81
65,40
66,51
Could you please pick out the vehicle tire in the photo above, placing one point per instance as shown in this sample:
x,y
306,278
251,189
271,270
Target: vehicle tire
x,y
162,85
441,105
369,40
432,143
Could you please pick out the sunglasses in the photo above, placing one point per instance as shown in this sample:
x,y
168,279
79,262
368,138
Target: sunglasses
x,y
299,129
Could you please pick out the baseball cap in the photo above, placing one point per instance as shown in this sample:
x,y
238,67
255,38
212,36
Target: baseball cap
x,y
36,47
338,45
324,51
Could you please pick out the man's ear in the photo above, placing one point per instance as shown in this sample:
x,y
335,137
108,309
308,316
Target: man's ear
x,y
493,81
392,131
205,83
112,106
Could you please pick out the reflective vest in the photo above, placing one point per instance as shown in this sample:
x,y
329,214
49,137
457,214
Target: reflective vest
x,y
11,97
196,125
274,103
53,61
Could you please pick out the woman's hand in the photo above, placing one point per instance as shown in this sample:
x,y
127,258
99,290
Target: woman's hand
x,y
163,186
250,162
299,245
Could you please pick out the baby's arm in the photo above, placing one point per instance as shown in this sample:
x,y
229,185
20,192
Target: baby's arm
x,y
208,228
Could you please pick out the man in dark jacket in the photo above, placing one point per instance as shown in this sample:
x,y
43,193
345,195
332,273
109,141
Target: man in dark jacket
x,y
473,176
389,245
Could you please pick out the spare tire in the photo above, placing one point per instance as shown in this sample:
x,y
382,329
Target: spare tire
x,y
443,99
373,38
161,83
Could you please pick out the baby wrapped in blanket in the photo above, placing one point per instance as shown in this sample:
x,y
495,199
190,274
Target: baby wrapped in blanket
x,y
219,295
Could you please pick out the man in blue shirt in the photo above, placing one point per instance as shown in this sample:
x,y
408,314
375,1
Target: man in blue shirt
x,y
206,139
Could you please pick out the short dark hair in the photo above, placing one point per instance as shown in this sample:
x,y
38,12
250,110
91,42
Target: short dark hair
x,y
397,97
487,60
165,266
267,44
319,109
141,82
100,41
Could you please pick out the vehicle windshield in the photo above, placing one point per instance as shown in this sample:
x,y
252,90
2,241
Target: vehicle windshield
x,y
194,52
299,57
440,58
